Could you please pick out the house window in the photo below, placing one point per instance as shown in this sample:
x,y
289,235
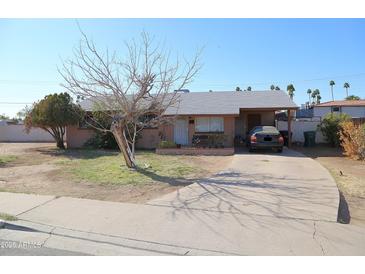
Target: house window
x,y
209,124
335,109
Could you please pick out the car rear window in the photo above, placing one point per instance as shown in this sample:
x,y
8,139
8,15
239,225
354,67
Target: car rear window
x,y
266,129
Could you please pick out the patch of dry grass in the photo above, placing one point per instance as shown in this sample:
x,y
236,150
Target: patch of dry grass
x,y
7,217
4,159
348,184
107,167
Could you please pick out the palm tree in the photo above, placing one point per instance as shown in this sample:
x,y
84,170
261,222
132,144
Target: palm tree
x,y
346,85
249,88
319,99
332,83
272,87
315,95
290,88
277,88
309,92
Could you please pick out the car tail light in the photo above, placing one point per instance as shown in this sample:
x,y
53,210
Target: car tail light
x,y
253,139
281,140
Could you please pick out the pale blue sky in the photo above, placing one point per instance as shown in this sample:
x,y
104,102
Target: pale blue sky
x,y
238,52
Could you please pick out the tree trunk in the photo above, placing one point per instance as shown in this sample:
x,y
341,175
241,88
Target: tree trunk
x,y
119,135
60,144
134,139
58,136
133,148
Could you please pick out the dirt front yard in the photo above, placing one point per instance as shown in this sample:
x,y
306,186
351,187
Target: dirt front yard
x,y
99,174
349,175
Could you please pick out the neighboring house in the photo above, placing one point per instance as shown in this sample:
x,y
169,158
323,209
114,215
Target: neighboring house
x,y
229,113
354,108
309,119
304,113
304,121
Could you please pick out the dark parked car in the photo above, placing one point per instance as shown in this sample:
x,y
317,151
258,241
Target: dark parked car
x,y
265,137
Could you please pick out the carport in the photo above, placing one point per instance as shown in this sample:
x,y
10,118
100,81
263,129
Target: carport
x,y
251,117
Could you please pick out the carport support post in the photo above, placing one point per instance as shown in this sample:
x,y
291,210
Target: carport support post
x,y
289,128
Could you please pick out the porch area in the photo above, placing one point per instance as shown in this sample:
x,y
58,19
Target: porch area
x,y
214,134
250,118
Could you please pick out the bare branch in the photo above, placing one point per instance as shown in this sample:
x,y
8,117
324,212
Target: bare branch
x,y
129,89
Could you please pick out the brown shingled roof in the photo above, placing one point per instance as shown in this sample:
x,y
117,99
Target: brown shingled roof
x,y
341,103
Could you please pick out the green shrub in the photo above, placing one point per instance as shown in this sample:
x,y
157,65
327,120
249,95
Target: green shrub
x,y
167,144
216,140
103,140
331,126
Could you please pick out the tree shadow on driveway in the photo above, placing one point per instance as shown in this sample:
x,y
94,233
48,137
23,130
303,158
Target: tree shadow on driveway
x,y
258,199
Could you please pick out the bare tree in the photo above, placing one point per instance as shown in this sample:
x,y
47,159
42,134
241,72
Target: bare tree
x,y
134,91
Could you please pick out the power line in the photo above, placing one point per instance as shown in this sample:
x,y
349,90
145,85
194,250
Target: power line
x,y
290,81
14,103
13,81
27,81
331,78
29,84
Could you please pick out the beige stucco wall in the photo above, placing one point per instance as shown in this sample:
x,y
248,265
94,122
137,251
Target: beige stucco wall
x,y
167,132
196,151
76,137
229,129
148,139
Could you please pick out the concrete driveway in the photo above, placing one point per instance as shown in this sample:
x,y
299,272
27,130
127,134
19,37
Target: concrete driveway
x,y
286,185
264,204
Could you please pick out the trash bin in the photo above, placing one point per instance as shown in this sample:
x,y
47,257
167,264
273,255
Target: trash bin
x,y
309,138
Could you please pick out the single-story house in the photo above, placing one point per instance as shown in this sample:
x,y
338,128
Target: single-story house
x,y
230,113
354,108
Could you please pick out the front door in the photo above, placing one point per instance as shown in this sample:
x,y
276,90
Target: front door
x,y
181,135
253,120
